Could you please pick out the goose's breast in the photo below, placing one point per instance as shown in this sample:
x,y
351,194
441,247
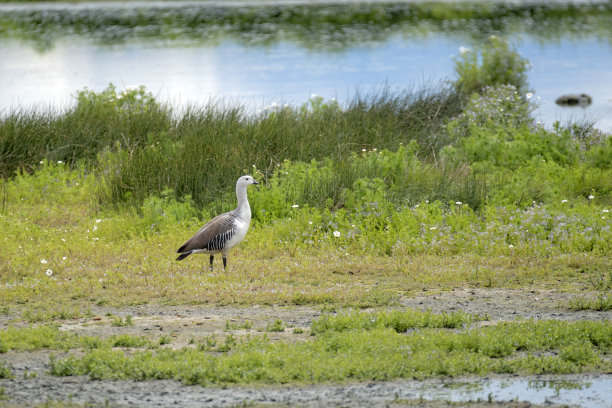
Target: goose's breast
x,y
240,228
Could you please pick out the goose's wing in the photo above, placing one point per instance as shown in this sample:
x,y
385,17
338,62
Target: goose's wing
x,y
213,235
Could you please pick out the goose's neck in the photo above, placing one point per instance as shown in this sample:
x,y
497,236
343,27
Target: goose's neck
x,y
244,210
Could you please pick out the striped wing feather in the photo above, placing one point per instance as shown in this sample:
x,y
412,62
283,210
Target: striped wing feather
x,y
217,227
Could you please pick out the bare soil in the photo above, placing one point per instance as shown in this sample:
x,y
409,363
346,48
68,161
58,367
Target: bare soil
x,y
184,324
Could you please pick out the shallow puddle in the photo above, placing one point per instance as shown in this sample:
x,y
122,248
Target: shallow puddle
x,y
591,392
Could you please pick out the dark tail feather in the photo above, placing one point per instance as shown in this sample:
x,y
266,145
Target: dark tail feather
x,y
183,256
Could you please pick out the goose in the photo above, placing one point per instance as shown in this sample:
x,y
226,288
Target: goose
x,y
223,232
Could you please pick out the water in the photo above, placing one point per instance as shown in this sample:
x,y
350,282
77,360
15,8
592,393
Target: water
x,y
590,392
234,70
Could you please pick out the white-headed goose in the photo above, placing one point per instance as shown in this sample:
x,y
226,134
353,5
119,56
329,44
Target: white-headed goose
x,y
223,232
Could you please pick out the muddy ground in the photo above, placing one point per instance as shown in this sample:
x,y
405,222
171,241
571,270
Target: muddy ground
x,y
194,323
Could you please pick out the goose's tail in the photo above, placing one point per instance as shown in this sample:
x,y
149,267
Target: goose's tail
x,y
183,255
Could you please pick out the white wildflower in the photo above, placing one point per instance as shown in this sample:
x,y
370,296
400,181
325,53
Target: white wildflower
x,y
98,221
336,233
294,206
591,197
606,210
463,50
564,201
60,162
64,258
49,272
458,203
43,261
433,228
510,246
529,95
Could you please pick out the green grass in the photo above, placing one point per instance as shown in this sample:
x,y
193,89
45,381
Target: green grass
x,y
49,337
121,322
353,346
531,347
5,373
233,325
603,302
400,321
139,148
275,326
71,255
63,313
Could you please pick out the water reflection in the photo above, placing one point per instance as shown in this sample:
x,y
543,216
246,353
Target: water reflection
x,y
314,25
589,392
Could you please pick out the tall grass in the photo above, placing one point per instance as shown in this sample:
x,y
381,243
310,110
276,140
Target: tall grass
x,y
141,147
96,122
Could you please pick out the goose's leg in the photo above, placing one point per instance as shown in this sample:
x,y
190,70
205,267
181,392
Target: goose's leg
x,y
224,255
211,261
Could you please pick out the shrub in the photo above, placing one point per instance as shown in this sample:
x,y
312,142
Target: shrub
x,y
497,63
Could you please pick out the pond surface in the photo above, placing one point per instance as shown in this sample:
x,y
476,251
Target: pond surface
x,y
227,67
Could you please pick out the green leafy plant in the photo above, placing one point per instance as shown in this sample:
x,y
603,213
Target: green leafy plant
x,y
496,63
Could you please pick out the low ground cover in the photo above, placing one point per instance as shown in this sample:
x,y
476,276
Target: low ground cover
x,y
341,347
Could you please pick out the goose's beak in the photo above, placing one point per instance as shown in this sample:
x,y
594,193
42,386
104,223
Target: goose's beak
x,y
256,184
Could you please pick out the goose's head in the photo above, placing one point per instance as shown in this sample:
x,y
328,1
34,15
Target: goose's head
x,y
246,181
